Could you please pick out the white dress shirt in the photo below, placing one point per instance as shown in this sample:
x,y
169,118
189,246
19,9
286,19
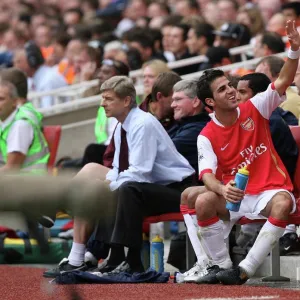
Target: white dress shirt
x,y
46,79
153,158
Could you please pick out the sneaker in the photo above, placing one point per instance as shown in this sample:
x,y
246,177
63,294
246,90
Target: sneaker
x,y
121,268
180,277
194,273
64,266
289,244
208,275
47,221
103,267
233,276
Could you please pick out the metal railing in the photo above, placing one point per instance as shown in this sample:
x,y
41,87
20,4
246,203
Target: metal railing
x,y
75,91
91,101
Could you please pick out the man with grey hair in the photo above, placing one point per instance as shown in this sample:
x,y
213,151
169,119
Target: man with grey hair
x,y
136,199
144,154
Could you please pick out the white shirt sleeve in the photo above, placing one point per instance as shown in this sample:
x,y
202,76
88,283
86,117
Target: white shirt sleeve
x,y
267,101
142,154
207,159
20,137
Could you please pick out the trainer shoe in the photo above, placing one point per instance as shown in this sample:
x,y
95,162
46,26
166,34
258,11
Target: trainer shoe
x,y
208,275
47,221
103,267
64,266
194,273
233,276
289,244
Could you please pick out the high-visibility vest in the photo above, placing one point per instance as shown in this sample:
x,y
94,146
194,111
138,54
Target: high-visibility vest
x,y
101,126
38,153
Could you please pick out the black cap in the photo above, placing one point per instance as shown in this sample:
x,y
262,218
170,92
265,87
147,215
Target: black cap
x,y
234,31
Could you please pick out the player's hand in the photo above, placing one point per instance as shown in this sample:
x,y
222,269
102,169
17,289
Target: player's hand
x,y
231,193
293,35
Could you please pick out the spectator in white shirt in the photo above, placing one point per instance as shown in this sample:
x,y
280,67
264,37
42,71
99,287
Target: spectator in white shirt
x,y
41,77
152,163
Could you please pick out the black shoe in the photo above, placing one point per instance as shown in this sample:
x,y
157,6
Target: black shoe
x,y
289,244
233,276
103,267
209,275
123,267
47,221
64,266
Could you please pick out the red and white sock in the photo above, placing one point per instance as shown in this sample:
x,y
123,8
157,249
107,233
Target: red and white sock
x,y
268,236
202,258
192,213
212,239
76,256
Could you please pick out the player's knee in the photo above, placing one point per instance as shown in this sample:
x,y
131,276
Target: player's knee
x,y
204,203
283,203
184,196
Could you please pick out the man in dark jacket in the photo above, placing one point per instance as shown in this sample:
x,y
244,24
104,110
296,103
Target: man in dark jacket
x,y
190,118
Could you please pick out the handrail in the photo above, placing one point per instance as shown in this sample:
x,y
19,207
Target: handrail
x,y
91,101
61,92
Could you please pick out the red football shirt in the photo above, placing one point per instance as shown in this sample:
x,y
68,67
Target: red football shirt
x,y
247,142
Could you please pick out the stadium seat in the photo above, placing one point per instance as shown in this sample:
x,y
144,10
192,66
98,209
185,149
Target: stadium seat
x,y
52,135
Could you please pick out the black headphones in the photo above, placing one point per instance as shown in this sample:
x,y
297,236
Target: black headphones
x,y
34,55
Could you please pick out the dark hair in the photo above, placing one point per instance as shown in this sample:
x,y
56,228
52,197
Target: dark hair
x,y
206,30
142,37
274,42
134,59
75,10
185,28
204,84
17,78
63,39
164,84
275,64
92,3
258,82
292,5
120,68
34,55
172,20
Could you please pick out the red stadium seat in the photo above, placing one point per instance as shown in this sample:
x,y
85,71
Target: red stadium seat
x,y
52,135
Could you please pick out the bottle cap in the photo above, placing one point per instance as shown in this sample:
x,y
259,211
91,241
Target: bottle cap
x,y
157,239
244,171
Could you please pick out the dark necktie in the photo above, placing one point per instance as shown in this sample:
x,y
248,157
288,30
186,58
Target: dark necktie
x,y
123,157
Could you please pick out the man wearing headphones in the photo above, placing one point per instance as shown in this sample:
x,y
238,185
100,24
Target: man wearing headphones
x,y
41,78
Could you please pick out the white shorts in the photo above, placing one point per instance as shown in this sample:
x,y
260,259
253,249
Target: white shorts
x,y
251,207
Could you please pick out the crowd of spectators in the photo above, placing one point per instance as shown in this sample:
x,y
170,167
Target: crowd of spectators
x,y
75,36
60,43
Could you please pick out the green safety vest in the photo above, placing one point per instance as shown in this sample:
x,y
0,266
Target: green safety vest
x,y
38,153
100,126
